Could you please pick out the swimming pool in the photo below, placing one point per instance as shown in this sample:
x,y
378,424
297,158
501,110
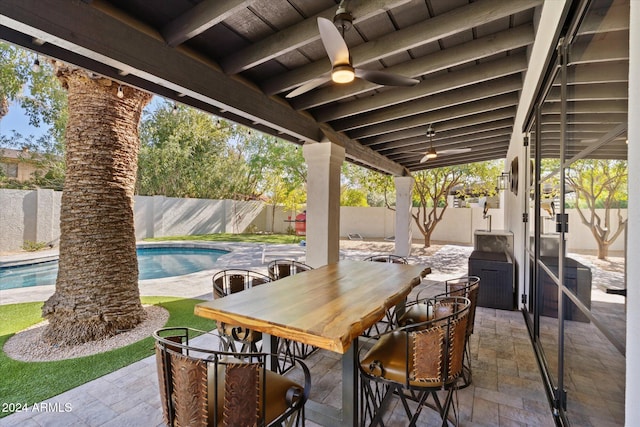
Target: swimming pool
x,y
153,263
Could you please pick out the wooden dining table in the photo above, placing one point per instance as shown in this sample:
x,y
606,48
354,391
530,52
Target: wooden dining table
x,y
328,307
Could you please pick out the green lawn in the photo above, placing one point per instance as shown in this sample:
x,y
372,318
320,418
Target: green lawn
x,y
228,237
32,382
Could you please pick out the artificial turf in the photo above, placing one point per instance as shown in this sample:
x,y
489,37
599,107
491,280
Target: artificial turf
x,y
26,383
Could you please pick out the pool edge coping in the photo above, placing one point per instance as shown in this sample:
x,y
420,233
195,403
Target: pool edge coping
x,y
28,258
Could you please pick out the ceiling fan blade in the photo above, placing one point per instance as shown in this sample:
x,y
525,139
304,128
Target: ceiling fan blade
x,y
424,159
384,78
308,86
333,42
455,151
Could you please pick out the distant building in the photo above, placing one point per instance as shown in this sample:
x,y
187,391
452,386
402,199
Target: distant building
x,y
19,164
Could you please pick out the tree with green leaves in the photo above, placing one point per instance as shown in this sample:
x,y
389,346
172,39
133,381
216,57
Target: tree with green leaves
x,y
14,74
600,184
39,93
433,186
189,153
284,174
267,157
362,183
184,154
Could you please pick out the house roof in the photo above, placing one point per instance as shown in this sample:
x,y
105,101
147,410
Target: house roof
x,y
240,59
12,154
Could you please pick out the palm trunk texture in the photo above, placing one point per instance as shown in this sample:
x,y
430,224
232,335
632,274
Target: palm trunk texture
x,y
96,293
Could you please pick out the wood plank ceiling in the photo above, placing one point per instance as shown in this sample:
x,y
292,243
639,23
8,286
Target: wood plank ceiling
x,y
239,59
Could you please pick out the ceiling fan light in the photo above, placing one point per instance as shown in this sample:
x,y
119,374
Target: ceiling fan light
x,y
431,154
343,74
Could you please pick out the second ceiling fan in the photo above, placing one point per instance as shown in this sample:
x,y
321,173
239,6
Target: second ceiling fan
x,y
342,69
432,153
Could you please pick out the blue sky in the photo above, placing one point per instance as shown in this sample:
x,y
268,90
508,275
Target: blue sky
x,y
16,119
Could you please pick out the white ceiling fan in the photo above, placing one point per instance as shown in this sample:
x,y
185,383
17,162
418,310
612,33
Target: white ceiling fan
x,y
342,69
432,153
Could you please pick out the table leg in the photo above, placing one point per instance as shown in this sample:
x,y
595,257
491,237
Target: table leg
x,y
348,415
270,346
350,387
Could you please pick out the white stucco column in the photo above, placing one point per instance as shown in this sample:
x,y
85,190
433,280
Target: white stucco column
x,y
404,235
324,161
632,409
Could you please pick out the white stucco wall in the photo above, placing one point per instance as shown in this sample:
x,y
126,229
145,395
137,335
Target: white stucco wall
x,y
35,216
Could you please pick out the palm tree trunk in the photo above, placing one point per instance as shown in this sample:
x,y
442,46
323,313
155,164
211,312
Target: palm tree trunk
x,y
96,291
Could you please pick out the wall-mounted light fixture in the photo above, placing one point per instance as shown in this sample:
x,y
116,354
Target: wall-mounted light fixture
x,y
120,92
504,181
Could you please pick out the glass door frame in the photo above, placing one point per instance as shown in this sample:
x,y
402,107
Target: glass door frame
x,y
534,267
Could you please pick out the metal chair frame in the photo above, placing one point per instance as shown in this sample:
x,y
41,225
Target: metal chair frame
x,y
189,377
385,324
469,287
280,268
229,281
390,258
445,335
466,286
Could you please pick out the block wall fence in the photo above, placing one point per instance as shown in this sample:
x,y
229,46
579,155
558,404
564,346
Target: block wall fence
x,y
34,215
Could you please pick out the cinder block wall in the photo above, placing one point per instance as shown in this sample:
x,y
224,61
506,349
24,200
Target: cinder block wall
x,y
35,216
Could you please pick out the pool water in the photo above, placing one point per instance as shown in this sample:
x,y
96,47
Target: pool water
x,y
153,263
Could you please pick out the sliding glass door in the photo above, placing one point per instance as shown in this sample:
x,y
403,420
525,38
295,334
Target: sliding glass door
x,y
577,194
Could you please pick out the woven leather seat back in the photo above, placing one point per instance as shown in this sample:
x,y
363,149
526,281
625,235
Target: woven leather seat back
x,y
457,339
437,351
444,309
428,355
236,283
457,289
241,395
284,270
467,287
189,389
474,290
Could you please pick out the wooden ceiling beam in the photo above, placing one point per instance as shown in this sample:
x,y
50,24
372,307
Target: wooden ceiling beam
x,y
492,153
439,84
447,99
362,154
614,18
470,132
298,35
200,18
142,54
490,118
449,138
453,22
595,92
604,108
614,47
599,72
474,50
490,143
435,116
